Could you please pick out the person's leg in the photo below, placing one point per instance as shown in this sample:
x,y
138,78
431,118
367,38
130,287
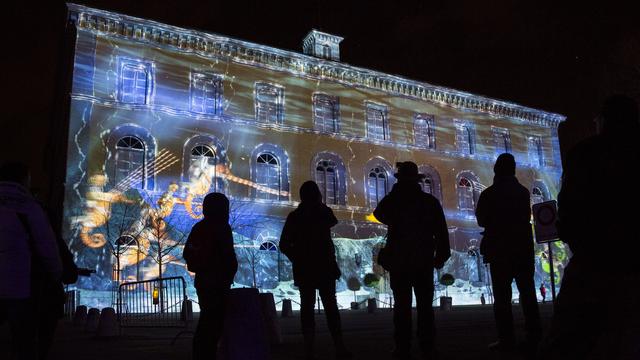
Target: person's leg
x,y
328,296
423,287
203,346
501,278
24,330
217,314
401,286
307,318
528,301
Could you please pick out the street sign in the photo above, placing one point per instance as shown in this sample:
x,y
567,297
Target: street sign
x,y
545,215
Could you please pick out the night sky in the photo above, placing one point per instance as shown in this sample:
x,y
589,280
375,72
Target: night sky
x,y
562,58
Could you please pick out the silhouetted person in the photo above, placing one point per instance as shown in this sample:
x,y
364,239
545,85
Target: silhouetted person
x,y
209,253
417,241
504,211
598,216
543,293
28,252
306,241
52,300
483,301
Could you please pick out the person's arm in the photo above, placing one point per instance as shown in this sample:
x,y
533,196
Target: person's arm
x,y
287,237
383,213
229,255
43,242
441,236
482,216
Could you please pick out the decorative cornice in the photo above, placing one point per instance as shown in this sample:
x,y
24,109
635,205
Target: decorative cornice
x,y
212,45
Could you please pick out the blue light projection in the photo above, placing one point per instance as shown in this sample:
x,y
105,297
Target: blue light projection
x,y
161,116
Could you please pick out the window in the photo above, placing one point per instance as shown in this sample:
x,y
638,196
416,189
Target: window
x,y
268,176
501,140
268,246
465,137
536,195
539,192
424,133
269,103
326,51
427,184
327,181
206,93
377,185
326,113
377,122
536,153
135,82
203,163
130,168
330,175
431,183
466,201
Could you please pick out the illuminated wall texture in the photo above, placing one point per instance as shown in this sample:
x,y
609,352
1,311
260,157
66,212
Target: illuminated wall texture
x,y
160,116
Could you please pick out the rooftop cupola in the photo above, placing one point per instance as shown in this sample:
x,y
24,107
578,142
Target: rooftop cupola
x,y
322,45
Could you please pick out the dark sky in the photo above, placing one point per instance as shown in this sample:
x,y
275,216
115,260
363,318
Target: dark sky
x,y
562,58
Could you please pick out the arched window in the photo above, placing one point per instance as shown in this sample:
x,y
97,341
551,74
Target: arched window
x,y
268,176
326,51
427,184
539,192
203,163
268,246
330,174
536,195
130,170
431,183
327,180
377,184
466,201
536,152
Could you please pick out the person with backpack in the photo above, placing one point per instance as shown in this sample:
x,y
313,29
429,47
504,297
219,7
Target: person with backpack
x,y
306,241
28,252
417,241
209,253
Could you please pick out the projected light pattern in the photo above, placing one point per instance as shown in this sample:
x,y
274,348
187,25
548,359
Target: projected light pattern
x,y
162,116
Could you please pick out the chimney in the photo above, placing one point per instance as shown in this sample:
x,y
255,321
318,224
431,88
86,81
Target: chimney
x,y
322,45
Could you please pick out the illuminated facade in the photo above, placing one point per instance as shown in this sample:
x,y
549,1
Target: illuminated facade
x,y
160,116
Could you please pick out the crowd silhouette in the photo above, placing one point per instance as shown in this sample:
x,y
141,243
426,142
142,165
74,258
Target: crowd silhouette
x,y
596,214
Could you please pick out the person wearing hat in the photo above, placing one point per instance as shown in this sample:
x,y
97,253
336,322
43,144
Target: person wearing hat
x,y
417,241
504,211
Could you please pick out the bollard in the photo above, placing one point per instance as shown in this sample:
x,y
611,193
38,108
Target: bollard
x,y
372,305
270,316
80,317
93,316
287,309
445,303
108,323
186,312
244,320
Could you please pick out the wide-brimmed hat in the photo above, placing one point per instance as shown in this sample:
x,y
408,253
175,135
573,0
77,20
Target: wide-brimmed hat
x,y
408,170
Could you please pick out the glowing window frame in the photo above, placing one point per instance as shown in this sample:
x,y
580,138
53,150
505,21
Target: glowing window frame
x,y
217,81
384,109
279,102
429,128
138,64
320,99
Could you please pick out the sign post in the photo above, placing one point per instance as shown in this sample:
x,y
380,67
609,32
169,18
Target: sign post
x,y
545,215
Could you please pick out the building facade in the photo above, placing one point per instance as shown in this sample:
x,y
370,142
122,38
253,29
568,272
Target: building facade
x,y
160,116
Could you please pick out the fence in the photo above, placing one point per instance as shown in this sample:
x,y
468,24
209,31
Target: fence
x,y
153,303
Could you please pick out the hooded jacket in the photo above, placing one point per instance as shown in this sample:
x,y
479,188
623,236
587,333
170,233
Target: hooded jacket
x,y
26,239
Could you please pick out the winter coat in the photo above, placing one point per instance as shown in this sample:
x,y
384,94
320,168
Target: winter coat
x,y
504,211
306,241
209,253
417,235
26,239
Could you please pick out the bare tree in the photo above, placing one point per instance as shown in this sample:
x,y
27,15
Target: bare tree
x,y
164,235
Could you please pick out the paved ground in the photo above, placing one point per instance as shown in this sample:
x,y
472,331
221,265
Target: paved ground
x,y
463,333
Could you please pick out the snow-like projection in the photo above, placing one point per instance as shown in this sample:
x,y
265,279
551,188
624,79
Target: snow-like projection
x,y
161,116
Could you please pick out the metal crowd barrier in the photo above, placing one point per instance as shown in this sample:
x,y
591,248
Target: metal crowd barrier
x,y
153,303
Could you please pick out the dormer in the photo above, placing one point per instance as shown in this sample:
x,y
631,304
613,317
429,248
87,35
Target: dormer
x,y
322,45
